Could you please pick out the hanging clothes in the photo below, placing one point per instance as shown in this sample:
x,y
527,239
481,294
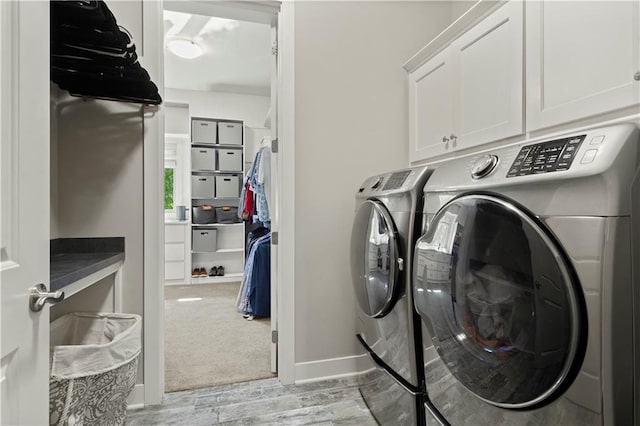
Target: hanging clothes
x,y
258,182
264,174
254,296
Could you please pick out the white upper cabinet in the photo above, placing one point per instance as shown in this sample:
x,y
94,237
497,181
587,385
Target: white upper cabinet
x,y
581,59
430,111
489,68
472,91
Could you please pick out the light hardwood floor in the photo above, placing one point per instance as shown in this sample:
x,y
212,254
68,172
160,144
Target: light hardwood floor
x,y
261,402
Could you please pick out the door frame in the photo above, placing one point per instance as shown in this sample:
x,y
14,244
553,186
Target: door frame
x,y
153,60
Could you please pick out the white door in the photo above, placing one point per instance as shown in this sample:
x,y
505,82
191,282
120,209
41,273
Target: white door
x,y
274,193
24,210
581,59
430,108
489,65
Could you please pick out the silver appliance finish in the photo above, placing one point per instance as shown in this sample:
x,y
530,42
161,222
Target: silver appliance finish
x,y
590,209
387,209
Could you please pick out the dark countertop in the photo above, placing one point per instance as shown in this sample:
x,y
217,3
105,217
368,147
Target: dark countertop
x,y
75,258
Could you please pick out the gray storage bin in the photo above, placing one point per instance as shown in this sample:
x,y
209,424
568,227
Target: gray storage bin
x,y
203,158
227,214
230,160
203,214
227,186
229,133
204,240
203,186
203,131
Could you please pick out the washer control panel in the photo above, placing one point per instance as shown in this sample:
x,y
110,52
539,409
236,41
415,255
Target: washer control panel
x,y
396,180
545,157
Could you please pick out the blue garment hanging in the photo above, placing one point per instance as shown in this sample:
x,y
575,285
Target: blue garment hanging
x,y
254,295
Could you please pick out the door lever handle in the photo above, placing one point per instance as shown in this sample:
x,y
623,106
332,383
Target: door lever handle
x,y
39,296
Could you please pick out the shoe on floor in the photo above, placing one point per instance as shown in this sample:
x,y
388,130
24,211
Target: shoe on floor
x,y
203,272
195,273
213,272
221,271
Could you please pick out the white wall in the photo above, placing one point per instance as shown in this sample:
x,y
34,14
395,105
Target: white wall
x,y
351,122
100,185
249,108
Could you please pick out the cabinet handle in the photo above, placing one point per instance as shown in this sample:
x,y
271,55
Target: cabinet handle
x,y
453,137
445,139
636,76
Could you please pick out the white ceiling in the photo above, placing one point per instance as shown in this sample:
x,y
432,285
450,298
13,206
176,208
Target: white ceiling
x,y
236,55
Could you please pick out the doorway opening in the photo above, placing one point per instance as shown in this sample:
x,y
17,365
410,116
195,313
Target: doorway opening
x,y
219,312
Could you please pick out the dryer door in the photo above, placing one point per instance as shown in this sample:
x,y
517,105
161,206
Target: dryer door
x,y
374,259
500,302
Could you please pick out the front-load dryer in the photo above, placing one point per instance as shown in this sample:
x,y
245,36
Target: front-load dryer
x,y
525,282
386,226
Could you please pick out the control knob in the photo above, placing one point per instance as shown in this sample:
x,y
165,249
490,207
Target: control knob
x,y
377,183
483,166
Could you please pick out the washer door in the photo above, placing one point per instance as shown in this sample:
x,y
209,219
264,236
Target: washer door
x,y
374,259
499,301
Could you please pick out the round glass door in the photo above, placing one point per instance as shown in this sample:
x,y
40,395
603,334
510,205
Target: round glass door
x,y
374,259
499,301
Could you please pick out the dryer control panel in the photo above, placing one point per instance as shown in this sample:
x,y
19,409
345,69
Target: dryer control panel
x,y
552,156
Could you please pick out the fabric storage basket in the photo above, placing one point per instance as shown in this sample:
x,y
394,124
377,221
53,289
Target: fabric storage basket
x,y
229,133
93,367
203,158
203,214
203,131
203,240
203,186
227,186
227,214
230,160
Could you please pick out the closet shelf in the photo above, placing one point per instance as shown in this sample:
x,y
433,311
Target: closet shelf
x,y
235,250
216,145
77,263
217,224
211,280
216,198
200,172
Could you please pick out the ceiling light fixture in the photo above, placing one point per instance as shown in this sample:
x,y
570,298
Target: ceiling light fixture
x,y
184,48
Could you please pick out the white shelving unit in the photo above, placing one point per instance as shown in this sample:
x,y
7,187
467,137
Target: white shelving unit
x,y
217,171
213,280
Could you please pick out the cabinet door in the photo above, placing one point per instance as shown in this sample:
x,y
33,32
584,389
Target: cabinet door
x,y
581,59
430,101
489,66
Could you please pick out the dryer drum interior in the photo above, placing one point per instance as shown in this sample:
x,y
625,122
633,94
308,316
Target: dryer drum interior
x,y
500,302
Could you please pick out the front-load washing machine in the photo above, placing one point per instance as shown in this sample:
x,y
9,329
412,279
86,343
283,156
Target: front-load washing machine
x,y
526,281
386,226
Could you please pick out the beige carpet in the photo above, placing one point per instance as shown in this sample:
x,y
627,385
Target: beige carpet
x,y
208,343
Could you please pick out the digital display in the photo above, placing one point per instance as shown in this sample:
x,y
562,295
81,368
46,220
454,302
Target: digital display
x,y
545,157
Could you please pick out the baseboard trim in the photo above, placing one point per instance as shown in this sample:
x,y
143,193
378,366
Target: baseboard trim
x,y
136,397
333,368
